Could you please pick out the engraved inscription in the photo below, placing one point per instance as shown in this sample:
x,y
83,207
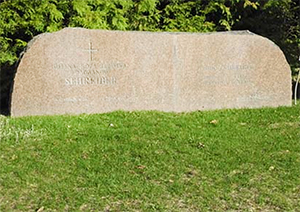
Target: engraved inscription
x,y
240,79
89,73
75,99
90,68
232,67
253,98
235,74
91,81
72,99
93,73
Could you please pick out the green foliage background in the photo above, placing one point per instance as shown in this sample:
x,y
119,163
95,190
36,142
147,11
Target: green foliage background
x,y
21,20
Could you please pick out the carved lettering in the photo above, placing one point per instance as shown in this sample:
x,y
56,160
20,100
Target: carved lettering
x,y
92,73
229,67
67,82
253,98
236,74
90,81
90,68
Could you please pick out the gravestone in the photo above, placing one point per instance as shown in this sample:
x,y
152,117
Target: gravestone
x,y
77,70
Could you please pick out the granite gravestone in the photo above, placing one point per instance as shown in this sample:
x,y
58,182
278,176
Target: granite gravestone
x,y
77,70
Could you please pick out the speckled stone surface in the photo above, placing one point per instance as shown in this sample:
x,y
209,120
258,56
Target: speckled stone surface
x,y
77,70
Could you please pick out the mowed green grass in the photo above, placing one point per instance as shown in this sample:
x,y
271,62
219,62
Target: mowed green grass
x,y
224,160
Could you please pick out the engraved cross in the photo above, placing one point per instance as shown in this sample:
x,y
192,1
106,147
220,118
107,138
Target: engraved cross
x,y
91,50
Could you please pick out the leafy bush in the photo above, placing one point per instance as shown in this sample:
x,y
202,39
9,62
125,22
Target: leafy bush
x,y
21,20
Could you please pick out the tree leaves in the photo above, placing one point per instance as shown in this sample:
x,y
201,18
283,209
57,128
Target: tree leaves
x,y
22,19
248,3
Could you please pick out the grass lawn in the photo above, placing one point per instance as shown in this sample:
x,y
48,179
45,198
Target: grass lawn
x,y
224,160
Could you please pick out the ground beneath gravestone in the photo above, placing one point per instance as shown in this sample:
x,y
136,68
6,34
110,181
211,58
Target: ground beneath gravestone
x,y
226,160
